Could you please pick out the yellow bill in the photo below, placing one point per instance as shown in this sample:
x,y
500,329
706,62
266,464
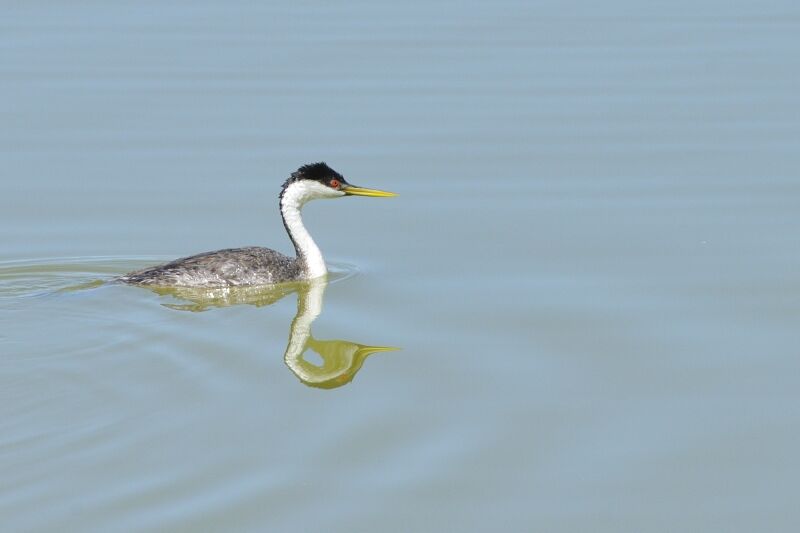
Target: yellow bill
x,y
361,191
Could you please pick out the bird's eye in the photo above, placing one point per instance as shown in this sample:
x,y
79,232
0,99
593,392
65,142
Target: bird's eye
x,y
335,183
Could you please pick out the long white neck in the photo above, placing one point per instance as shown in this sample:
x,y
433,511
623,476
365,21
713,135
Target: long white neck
x,y
308,253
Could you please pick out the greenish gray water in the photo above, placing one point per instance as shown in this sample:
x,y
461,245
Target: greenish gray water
x,y
591,269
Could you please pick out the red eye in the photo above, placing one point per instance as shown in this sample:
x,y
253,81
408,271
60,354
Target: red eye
x,y
335,183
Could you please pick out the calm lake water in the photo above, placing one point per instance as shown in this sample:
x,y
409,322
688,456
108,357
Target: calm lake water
x,y
591,272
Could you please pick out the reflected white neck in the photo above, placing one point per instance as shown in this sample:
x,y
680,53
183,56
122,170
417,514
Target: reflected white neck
x,y
309,306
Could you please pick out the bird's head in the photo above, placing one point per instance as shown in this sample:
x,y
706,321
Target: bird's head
x,y
318,180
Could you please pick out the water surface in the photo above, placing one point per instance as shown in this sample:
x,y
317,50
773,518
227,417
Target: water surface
x,y
591,269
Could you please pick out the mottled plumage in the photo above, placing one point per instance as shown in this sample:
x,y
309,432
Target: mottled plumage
x,y
252,265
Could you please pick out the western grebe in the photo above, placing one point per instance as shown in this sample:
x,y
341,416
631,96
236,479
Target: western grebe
x,y
262,266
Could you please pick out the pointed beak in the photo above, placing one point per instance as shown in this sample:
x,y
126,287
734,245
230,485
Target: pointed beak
x,y
375,349
361,191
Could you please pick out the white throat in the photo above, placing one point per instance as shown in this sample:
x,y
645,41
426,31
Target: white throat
x,y
294,197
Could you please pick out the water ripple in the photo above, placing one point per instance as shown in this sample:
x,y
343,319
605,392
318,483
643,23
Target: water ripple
x,y
42,277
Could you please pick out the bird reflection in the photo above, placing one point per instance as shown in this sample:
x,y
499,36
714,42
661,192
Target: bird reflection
x,y
338,360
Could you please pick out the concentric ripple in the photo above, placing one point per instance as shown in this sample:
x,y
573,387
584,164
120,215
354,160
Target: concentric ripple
x,y
34,278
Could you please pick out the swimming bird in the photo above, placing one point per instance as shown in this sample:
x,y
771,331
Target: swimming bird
x,y
256,265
